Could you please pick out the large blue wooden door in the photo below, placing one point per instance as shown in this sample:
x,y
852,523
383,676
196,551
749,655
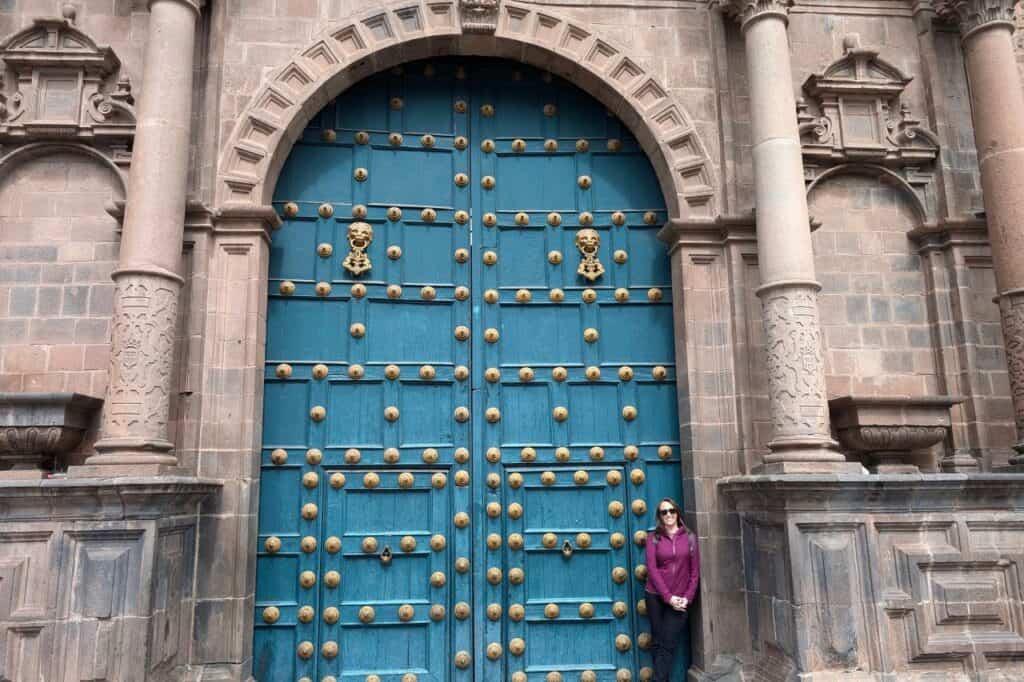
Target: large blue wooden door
x,y
470,396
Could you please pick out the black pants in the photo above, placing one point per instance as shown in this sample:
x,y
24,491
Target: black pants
x,y
666,629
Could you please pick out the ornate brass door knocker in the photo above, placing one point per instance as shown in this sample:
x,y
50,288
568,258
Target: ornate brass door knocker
x,y
567,549
588,242
360,236
385,556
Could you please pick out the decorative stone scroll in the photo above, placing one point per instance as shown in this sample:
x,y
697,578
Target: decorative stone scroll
x,y
64,86
479,16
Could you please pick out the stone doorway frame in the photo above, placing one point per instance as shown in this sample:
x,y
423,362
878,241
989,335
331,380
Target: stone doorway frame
x,y
233,293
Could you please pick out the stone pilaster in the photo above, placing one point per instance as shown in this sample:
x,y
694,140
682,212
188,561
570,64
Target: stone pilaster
x,y
997,105
796,372
134,436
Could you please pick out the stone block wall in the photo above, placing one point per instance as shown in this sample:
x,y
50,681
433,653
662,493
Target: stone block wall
x,y
873,305
58,247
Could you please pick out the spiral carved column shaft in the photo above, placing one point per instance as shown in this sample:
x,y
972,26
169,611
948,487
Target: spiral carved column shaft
x,y
997,107
134,437
796,370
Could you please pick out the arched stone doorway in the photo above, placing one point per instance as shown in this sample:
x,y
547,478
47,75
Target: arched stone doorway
x,y
469,416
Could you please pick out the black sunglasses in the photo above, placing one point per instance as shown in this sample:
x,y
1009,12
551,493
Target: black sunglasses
x,y
666,512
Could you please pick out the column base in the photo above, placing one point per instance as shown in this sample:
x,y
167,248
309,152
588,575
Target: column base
x,y
800,467
806,454
129,457
959,463
122,470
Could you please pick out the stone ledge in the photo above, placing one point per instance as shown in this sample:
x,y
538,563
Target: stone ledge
x,y
107,499
876,493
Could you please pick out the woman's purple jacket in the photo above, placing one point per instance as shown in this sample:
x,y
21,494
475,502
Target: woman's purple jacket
x,y
671,570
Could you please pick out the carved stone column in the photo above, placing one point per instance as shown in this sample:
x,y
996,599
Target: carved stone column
x,y
997,106
134,438
796,373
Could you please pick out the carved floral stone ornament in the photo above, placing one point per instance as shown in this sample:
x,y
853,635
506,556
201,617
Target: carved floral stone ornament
x,y
64,86
479,16
360,236
588,241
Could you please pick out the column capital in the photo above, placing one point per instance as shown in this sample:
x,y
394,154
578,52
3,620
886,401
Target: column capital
x,y
975,15
195,5
748,11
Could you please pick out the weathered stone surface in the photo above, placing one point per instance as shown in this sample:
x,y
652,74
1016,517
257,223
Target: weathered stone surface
x,y
96,569
882,576
895,316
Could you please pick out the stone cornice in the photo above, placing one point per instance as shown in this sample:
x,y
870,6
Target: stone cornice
x,y
974,15
748,11
881,493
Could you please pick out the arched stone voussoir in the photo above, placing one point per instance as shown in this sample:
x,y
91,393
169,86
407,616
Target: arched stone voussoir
x,y
350,50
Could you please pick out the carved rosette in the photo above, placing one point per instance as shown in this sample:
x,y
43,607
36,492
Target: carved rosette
x,y
745,11
142,358
479,16
972,15
1011,309
796,368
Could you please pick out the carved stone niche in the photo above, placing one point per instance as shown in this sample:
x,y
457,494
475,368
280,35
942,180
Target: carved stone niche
x,y
38,429
886,432
860,118
58,83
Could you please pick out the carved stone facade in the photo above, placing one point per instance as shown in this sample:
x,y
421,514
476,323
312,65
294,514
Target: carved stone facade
x,y
841,180
1011,308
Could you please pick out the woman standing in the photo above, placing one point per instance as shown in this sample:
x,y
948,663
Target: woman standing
x,y
673,570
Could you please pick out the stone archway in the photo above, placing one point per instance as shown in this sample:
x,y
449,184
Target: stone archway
x,y
343,54
359,46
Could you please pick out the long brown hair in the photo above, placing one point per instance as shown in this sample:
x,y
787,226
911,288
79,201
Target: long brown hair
x,y
659,530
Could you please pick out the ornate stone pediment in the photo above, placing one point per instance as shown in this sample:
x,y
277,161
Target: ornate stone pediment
x,y
860,117
58,83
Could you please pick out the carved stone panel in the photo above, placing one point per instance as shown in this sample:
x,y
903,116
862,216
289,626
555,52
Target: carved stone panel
x,y
835,588
796,375
103,595
947,604
169,629
25,604
145,315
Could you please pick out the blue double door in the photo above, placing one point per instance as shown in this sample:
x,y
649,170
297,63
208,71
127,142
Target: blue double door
x,y
470,392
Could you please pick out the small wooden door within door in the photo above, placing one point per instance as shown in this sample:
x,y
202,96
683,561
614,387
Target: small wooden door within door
x,y
470,395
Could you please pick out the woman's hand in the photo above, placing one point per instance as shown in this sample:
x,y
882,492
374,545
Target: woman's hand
x,y
679,603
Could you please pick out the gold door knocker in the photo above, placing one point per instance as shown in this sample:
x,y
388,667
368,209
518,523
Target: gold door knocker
x,y
385,556
588,242
360,236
